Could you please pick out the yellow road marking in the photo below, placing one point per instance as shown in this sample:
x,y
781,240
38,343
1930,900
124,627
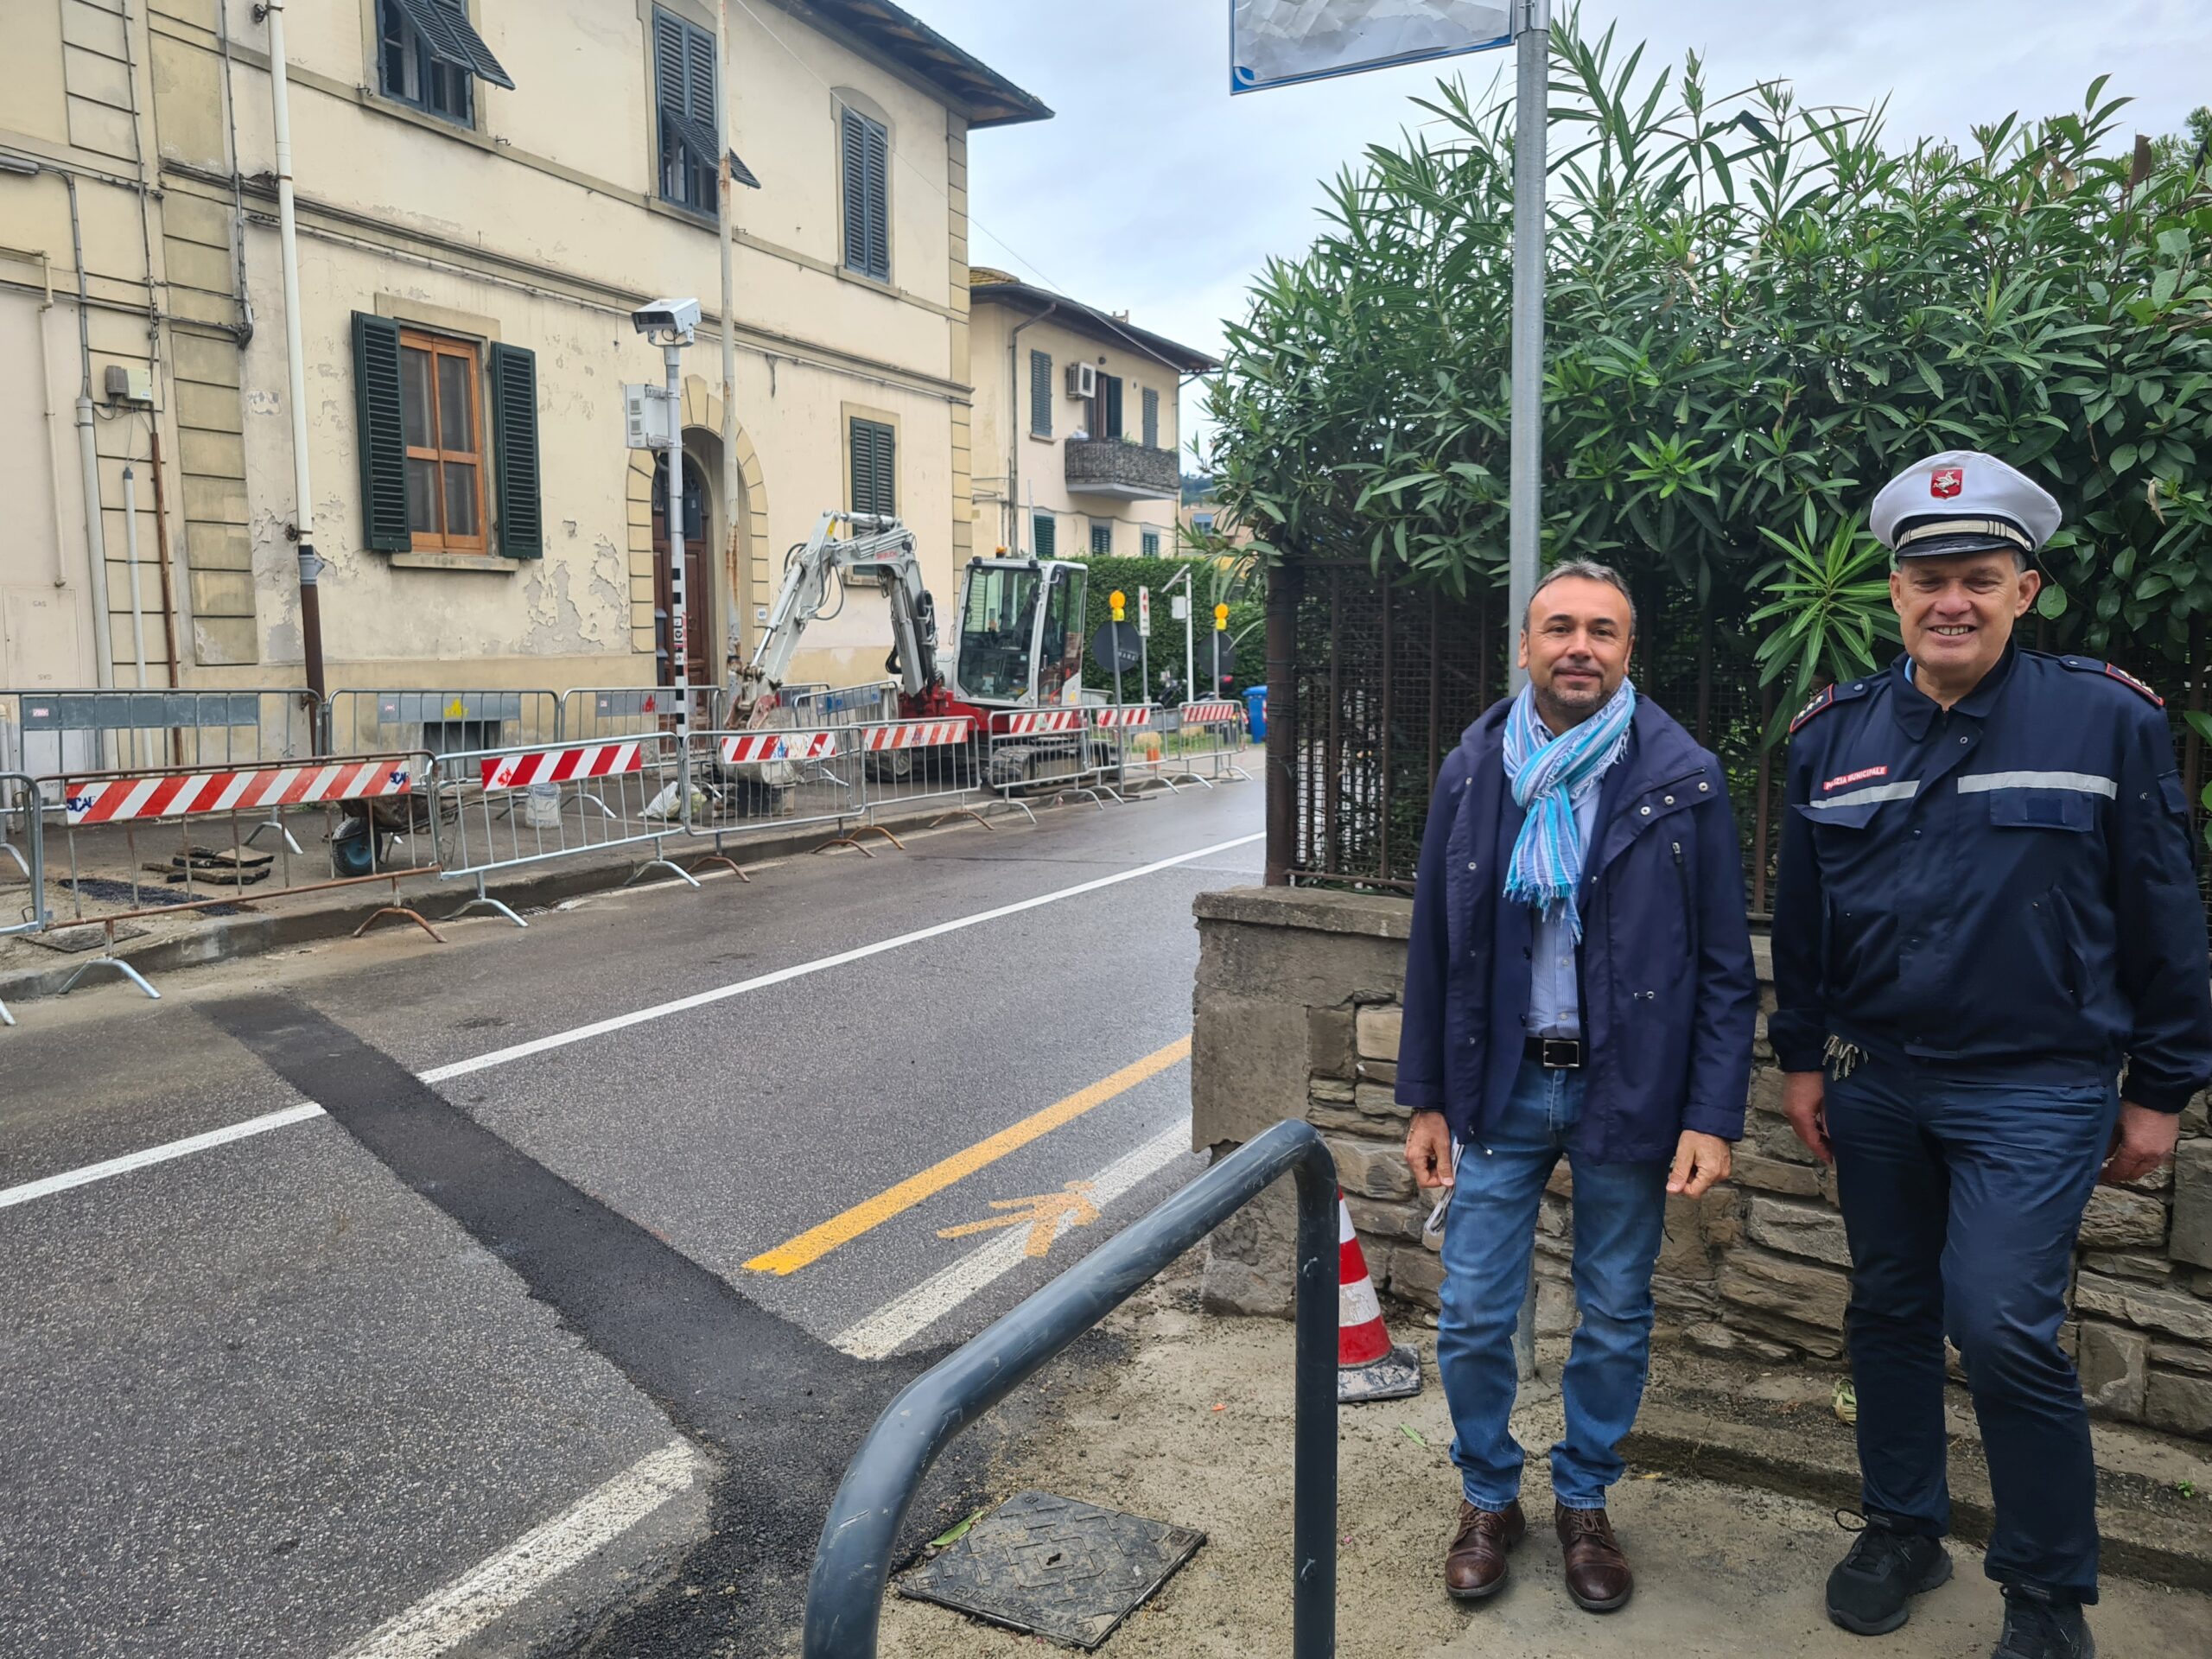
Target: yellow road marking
x,y
1041,1214
815,1243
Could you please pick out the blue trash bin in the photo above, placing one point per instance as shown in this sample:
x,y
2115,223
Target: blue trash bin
x,y
1255,711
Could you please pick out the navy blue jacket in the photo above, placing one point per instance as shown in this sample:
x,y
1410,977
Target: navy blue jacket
x,y
2005,887
1669,993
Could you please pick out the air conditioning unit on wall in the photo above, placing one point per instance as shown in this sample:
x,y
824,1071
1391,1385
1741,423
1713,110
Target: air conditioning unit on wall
x,y
1082,379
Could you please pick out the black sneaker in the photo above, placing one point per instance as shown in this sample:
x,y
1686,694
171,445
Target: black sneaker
x,y
1885,1568
2038,1625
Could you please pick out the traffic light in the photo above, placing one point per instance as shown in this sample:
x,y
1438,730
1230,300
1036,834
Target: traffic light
x,y
1221,619
1119,601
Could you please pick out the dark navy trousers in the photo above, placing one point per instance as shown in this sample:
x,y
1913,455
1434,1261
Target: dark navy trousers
x,y
1962,1196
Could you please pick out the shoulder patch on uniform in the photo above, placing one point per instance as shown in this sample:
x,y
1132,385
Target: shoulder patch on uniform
x,y
1826,697
2091,665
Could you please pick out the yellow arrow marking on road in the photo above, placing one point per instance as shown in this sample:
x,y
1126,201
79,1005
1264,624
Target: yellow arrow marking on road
x,y
1042,1213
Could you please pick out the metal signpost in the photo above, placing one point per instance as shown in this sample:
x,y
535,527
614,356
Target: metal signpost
x,y
1282,43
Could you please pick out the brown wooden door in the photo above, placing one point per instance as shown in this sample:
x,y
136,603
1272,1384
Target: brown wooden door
x,y
695,575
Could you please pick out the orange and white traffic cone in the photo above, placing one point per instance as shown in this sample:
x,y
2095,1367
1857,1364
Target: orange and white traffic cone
x,y
1368,1366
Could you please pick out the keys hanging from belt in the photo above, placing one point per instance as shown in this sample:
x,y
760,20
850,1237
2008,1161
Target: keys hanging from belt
x,y
1843,1058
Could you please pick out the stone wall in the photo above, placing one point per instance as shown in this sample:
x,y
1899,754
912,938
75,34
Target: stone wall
x,y
1297,1014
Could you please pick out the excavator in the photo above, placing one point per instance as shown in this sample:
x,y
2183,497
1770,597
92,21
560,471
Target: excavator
x,y
1018,645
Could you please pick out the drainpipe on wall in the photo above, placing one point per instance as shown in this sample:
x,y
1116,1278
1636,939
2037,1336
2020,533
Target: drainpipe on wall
x,y
137,592
88,448
295,356
734,580
1014,425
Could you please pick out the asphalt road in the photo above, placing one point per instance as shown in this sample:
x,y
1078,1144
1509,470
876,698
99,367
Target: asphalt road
x,y
553,1329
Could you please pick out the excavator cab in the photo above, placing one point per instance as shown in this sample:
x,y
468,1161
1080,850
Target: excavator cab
x,y
1020,633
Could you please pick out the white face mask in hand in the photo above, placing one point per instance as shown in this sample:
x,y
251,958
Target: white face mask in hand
x,y
1432,1232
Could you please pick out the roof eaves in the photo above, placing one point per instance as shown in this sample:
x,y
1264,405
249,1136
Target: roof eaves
x,y
982,96
1096,322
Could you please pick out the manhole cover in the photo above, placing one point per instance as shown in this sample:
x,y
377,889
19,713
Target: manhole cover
x,y
1050,1567
75,941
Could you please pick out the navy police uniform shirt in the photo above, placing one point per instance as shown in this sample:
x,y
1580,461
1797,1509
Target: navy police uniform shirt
x,y
2004,885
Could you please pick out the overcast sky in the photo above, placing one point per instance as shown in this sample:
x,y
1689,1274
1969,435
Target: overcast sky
x,y
1155,192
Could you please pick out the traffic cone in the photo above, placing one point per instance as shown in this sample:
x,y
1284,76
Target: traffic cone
x,y
1368,1366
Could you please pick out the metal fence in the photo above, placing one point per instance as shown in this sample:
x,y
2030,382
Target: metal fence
x,y
350,796
439,722
22,835
844,1598
49,732
1050,753
1386,676
499,810
590,713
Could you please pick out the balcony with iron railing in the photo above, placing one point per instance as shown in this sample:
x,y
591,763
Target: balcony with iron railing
x,y
1114,467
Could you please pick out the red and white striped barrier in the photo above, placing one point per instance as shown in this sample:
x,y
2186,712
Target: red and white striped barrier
x,y
750,749
123,800
560,765
1032,723
1139,716
1367,1366
919,734
1216,712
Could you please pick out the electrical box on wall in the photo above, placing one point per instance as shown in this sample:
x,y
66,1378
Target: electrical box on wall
x,y
645,410
128,385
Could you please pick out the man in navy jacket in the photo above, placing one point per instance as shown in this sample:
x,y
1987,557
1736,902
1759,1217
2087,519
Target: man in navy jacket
x,y
1579,983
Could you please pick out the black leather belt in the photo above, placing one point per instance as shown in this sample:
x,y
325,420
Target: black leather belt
x,y
1558,1053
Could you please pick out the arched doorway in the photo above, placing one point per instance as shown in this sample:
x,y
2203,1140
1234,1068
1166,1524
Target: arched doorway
x,y
696,523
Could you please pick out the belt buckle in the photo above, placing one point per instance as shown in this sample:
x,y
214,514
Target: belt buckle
x,y
1561,1053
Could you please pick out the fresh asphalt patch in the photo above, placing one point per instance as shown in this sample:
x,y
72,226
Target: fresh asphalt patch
x,y
781,1410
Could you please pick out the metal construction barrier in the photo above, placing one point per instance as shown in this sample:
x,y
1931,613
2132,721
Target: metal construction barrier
x,y
1206,744
905,763
441,722
1058,751
22,833
756,780
1135,740
503,809
354,796
48,733
593,712
844,1599
816,707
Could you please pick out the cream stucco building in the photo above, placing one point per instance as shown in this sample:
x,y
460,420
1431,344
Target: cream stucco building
x,y
485,188
1077,438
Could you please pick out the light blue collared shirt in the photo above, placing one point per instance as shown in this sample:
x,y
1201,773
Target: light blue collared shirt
x,y
1554,993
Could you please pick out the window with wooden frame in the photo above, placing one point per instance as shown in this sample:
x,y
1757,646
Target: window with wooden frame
x,y
875,467
420,409
429,55
1102,537
441,423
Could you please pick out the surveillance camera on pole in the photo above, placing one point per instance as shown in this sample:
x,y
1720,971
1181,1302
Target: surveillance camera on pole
x,y
673,324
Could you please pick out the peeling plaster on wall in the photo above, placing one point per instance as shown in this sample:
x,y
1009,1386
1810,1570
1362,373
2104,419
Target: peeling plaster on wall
x,y
610,584
557,625
285,644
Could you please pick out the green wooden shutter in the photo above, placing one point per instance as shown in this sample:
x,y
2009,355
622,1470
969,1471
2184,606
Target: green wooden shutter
x,y
862,440
1041,394
1110,406
886,471
1041,535
856,139
379,435
1151,418
879,201
671,96
514,432
875,468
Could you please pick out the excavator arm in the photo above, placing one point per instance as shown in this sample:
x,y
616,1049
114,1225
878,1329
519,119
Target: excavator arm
x,y
879,553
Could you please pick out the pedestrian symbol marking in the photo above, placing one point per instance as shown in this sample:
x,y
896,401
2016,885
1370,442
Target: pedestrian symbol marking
x,y
1043,1214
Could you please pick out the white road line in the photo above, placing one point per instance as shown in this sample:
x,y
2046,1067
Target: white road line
x,y
162,1154
900,1321
843,958
500,1583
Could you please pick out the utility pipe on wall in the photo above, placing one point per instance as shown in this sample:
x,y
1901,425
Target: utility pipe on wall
x,y
295,356
734,580
88,454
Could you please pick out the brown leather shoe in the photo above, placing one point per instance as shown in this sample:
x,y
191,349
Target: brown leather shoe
x,y
1474,1562
1597,1573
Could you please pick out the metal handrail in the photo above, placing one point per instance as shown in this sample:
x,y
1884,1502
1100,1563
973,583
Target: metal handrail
x,y
844,1598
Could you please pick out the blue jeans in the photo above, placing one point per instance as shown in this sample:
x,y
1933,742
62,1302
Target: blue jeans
x,y
1620,1212
1962,1198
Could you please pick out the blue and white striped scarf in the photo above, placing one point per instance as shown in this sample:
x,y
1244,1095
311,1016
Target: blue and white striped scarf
x,y
1548,774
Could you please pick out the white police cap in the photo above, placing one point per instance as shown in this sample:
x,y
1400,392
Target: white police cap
x,y
1964,501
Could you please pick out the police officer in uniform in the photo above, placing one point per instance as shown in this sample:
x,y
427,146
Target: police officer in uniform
x,y
1986,910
